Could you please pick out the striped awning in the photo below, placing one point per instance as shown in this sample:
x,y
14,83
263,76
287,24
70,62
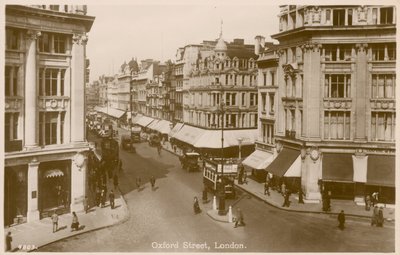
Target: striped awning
x,y
53,173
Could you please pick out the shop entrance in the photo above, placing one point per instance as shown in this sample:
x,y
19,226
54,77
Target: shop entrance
x,y
15,195
54,187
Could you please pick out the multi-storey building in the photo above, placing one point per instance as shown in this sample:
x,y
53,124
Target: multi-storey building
x,y
336,99
177,83
92,95
45,144
217,73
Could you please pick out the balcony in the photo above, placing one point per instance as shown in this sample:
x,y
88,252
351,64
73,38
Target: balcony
x,y
58,103
11,146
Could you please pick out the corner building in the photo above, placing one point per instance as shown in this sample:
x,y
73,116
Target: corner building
x,y
336,99
45,144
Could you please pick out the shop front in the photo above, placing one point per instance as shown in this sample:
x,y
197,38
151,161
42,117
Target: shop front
x,y
54,187
381,177
15,194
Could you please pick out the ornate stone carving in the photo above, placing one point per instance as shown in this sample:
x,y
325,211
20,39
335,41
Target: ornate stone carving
x,y
308,46
316,14
361,47
80,39
362,14
32,34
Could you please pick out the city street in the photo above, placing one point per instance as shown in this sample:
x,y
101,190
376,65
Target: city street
x,y
163,220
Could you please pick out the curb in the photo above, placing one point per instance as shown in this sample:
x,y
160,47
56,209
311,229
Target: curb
x,y
124,219
302,211
223,221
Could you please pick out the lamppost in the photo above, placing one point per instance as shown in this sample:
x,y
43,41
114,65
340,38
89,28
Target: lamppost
x,y
221,208
240,139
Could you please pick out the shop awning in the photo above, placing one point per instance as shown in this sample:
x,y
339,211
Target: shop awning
x,y
360,168
136,118
189,134
283,161
212,138
153,125
175,129
115,113
53,173
164,126
381,170
144,121
258,160
337,167
295,169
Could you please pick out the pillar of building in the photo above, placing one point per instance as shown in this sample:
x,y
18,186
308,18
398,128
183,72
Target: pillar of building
x,y
67,93
361,79
310,174
77,99
31,91
33,179
78,181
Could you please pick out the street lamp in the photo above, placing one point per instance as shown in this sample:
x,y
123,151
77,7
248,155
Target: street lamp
x,y
221,208
240,139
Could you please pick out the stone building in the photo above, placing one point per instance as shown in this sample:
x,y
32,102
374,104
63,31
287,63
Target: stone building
x,y
45,144
335,100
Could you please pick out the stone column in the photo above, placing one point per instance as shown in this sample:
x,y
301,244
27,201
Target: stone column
x,y
310,173
58,127
77,98
33,179
31,91
78,181
59,82
359,106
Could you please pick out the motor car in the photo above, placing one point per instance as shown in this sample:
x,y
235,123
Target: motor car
x,y
190,161
127,143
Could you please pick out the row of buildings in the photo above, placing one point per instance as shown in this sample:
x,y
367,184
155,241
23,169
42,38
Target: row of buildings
x,y
322,99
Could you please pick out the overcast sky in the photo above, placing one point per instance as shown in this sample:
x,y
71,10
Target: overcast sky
x,y
156,31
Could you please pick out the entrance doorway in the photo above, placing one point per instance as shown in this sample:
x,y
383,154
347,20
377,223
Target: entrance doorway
x,y
15,194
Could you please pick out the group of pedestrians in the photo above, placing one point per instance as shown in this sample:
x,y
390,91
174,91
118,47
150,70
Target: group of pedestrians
x,y
377,218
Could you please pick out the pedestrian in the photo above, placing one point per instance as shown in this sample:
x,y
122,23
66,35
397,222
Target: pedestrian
x,y
283,189
239,218
111,196
375,198
153,182
120,165
8,242
115,180
138,182
328,200
380,218
367,203
341,219
75,222
103,198
196,206
286,201
266,188
85,204
374,218
54,219
98,196
301,201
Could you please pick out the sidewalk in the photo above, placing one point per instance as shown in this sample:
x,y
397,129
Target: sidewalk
x,y
30,236
275,199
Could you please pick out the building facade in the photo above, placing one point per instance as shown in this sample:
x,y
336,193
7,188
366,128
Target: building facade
x,y
336,99
45,144
92,95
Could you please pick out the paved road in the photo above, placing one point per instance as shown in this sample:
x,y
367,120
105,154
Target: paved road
x,y
165,218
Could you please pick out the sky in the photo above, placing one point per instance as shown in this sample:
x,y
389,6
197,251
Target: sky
x,y
156,31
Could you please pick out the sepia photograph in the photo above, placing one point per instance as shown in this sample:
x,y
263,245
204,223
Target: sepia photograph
x,y
198,126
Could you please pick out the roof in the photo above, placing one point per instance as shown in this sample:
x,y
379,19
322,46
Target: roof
x,y
212,138
240,51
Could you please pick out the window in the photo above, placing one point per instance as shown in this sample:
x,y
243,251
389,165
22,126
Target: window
x,y
301,85
265,79
51,82
383,85
337,85
374,16
378,52
263,102
271,102
11,80
228,98
235,79
243,98
59,43
293,87
273,78
292,120
242,79
328,16
12,39
226,79
391,48
386,15
350,17
44,42
233,98
383,126
338,52
294,57
337,125
253,99
48,128
338,17
11,126
54,7
233,120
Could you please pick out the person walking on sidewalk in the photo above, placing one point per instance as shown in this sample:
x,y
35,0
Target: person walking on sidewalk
x,y
374,218
380,218
85,204
266,188
103,198
115,180
341,219
283,188
245,177
111,196
75,222
153,182
8,242
98,196
301,201
54,219
286,201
